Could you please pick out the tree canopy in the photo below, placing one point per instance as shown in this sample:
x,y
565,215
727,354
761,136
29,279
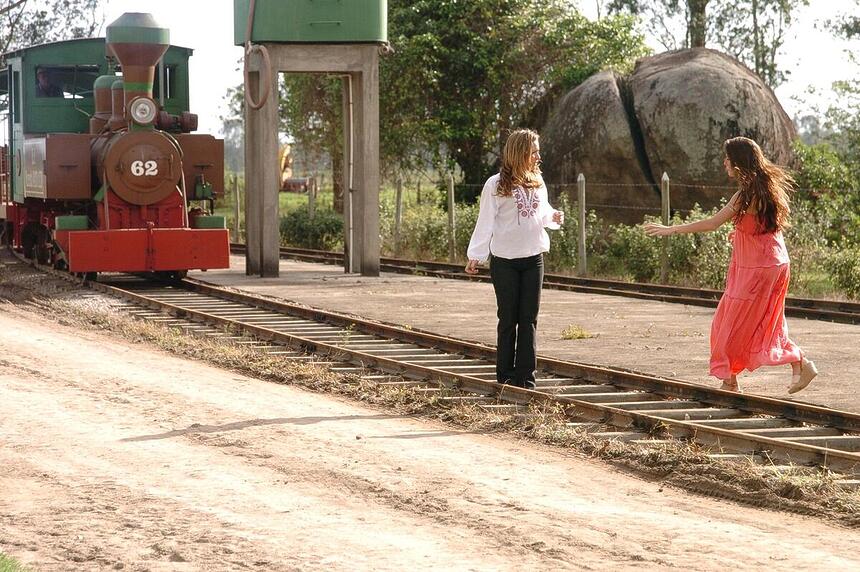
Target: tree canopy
x,y
464,72
32,22
753,31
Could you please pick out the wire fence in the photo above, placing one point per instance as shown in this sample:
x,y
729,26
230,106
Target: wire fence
x,y
601,203
426,218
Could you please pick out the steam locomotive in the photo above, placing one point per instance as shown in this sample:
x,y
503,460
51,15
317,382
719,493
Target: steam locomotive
x,y
102,172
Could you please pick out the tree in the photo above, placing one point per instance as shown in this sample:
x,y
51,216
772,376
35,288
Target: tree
x,y
32,22
463,73
847,25
753,31
311,110
309,116
460,75
666,17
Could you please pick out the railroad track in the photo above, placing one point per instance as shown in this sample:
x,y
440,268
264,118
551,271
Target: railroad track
x,y
810,308
784,433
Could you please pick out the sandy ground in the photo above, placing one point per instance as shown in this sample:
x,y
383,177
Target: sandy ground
x,y
117,456
654,337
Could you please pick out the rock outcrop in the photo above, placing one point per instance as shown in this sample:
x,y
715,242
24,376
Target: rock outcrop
x,y
670,115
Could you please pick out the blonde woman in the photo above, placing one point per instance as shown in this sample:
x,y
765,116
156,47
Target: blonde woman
x,y
749,328
510,232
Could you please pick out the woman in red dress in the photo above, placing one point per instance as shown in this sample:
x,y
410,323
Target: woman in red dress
x,y
749,328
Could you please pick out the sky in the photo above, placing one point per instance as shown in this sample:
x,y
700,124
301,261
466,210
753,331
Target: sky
x,y
815,58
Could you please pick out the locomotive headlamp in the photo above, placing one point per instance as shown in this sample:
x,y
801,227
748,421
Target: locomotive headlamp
x,y
143,110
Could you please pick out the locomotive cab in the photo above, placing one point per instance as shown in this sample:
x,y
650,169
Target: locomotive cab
x,y
101,170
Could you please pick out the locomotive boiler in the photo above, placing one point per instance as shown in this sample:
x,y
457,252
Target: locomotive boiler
x,y
103,171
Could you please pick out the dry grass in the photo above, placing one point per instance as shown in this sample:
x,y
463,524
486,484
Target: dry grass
x,y
677,463
8,564
576,332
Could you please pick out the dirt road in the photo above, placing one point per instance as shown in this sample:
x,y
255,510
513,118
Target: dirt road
x,y
116,456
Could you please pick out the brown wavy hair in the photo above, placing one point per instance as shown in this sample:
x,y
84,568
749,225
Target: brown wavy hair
x,y
516,157
763,185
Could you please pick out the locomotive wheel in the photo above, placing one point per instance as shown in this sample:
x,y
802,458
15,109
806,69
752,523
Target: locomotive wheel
x,y
6,234
36,242
30,238
43,253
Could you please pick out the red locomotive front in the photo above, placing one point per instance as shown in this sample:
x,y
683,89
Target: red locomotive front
x,y
118,198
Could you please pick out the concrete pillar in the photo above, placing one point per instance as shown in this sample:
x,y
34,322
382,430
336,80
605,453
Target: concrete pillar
x,y
253,197
366,204
348,129
261,178
359,65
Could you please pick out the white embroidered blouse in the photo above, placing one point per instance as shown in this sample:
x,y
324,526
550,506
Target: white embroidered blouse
x,y
511,227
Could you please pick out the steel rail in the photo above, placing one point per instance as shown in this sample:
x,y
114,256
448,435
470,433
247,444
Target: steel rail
x,y
815,449
802,412
724,419
810,308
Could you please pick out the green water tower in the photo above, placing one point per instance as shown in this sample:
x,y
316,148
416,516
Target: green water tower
x,y
312,21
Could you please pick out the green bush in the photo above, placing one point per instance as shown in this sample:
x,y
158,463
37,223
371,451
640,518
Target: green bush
x,y
829,192
821,168
808,249
626,252
707,254
564,242
638,252
325,231
844,267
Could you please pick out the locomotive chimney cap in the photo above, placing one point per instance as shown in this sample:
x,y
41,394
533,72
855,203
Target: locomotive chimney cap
x,y
137,28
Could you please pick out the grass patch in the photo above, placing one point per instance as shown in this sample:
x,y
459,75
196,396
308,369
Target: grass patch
x,y
576,332
679,463
9,564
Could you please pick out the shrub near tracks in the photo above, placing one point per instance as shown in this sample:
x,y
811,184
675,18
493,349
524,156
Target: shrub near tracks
x,y
614,250
844,266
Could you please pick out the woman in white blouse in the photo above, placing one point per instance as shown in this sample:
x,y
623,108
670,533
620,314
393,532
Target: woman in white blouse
x,y
510,232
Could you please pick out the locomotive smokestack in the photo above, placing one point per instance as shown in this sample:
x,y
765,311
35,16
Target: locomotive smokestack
x,y
137,42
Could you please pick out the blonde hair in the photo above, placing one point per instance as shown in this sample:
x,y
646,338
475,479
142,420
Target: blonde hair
x,y
516,168
763,184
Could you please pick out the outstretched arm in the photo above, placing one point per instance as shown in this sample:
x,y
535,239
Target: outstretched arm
x,y
724,215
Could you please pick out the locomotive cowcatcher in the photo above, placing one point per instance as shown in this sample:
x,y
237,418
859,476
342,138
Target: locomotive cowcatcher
x,y
99,175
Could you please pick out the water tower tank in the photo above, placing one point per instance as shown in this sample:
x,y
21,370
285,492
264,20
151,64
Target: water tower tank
x,y
309,21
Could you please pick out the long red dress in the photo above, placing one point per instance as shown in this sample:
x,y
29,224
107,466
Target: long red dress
x,y
749,328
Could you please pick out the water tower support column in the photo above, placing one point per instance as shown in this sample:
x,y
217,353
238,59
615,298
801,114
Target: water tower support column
x,y
262,178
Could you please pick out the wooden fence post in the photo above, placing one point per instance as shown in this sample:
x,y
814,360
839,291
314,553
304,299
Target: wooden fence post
x,y
582,262
312,197
236,209
451,217
398,214
664,255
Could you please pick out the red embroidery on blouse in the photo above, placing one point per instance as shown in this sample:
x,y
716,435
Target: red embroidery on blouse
x,y
527,202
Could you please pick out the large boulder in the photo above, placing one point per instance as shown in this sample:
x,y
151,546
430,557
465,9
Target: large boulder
x,y
589,132
670,115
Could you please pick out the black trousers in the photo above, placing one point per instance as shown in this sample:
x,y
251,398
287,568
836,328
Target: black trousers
x,y
517,282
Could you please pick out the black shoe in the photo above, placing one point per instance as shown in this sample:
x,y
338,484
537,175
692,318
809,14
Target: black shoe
x,y
508,382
